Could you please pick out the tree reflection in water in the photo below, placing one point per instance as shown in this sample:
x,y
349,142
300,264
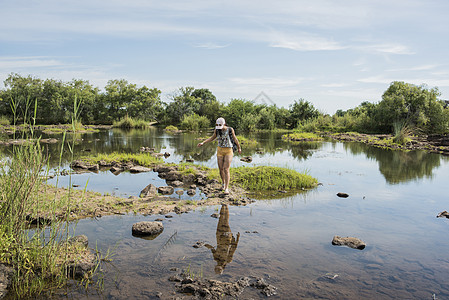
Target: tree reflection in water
x,y
399,166
226,243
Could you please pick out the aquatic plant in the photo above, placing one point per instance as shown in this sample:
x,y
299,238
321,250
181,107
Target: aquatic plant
x,y
142,159
401,133
265,178
302,136
171,128
128,122
247,142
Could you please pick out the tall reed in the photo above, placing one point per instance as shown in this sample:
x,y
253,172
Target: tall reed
x,y
39,256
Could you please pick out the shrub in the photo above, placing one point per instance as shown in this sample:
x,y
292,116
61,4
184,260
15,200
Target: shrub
x,y
128,122
194,122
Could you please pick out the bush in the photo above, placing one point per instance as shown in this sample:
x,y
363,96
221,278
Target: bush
x,y
194,122
128,122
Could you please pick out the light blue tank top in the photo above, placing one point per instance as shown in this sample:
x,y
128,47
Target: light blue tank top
x,y
223,139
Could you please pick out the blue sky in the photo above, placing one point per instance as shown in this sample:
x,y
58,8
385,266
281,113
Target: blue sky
x,y
335,54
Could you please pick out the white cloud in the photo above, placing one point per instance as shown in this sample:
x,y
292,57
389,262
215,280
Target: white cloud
x,y
27,62
211,46
305,43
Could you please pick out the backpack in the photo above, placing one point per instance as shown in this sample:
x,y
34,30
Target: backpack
x,y
234,144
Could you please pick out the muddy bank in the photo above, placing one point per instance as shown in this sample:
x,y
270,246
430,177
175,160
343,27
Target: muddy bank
x,y
431,143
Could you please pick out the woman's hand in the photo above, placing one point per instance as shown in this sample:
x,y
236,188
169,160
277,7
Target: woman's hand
x,y
240,150
200,144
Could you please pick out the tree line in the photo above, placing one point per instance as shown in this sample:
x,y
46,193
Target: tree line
x,y
55,102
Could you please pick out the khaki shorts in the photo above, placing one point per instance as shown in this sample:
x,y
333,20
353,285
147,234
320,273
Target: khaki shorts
x,y
224,151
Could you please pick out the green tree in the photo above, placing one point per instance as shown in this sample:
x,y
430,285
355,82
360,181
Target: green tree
x,y
183,104
302,110
239,113
415,105
208,104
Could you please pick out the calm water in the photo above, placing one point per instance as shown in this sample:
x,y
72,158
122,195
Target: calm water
x,y
394,198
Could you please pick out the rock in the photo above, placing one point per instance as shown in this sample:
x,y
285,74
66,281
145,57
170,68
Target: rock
x,y
215,215
174,183
5,279
342,195
267,289
164,169
172,176
78,268
247,159
198,244
149,191
351,242
193,186
103,163
79,239
116,169
188,178
49,141
78,164
166,190
191,192
139,169
443,214
94,168
146,228
166,154
191,160
179,192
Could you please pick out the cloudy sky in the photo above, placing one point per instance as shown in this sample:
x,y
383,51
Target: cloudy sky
x,y
335,54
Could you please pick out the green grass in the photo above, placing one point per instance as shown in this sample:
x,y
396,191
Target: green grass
x,y
142,159
302,136
171,128
246,142
267,178
128,122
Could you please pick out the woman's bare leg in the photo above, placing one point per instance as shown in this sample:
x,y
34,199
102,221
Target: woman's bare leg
x,y
220,161
226,173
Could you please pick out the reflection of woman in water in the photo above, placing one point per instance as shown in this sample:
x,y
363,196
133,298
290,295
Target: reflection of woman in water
x,y
226,243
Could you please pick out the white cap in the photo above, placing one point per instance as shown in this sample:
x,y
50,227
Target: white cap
x,y
219,123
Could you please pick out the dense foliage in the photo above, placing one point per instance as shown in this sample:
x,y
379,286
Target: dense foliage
x,y
415,107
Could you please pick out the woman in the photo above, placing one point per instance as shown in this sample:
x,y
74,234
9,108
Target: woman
x,y
224,151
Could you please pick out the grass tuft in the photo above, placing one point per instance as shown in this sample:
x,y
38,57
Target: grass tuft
x,y
142,159
266,178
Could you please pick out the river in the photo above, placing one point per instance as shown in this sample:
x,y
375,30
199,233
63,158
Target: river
x,y
393,201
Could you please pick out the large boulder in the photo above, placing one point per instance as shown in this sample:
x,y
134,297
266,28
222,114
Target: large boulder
x,y
351,242
149,191
147,228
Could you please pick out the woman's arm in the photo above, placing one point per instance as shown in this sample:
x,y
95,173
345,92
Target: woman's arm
x,y
236,141
209,139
